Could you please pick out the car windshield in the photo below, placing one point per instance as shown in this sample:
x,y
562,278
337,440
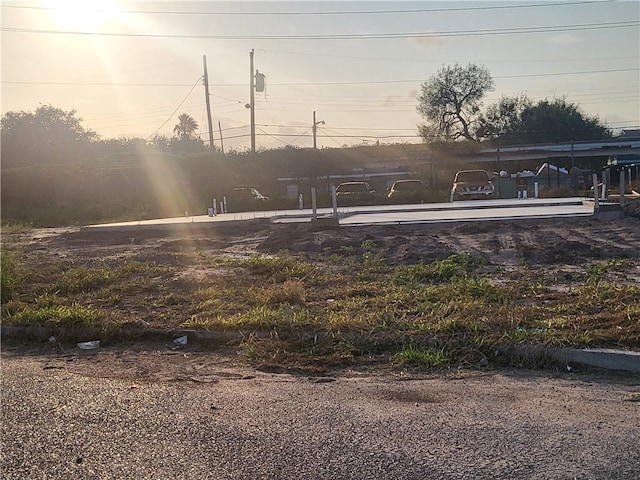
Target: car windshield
x,y
472,176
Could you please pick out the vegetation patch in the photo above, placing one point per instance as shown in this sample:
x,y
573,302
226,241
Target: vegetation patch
x,y
342,306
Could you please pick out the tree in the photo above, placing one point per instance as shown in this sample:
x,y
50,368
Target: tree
x,y
559,121
517,120
186,145
49,134
450,101
504,118
161,142
186,126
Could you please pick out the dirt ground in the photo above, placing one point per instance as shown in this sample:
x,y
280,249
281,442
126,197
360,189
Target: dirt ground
x,y
512,244
550,246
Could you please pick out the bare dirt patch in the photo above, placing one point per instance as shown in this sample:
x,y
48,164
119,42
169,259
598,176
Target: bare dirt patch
x,y
511,244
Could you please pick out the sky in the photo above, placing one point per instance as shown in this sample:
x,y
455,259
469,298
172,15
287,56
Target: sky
x,y
129,68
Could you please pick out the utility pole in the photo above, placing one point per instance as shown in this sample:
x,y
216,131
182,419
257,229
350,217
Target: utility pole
x,y
315,128
252,104
221,141
206,97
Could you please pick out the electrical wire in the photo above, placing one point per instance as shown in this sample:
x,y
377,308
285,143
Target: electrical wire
x,y
351,12
174,112
314,84
355,36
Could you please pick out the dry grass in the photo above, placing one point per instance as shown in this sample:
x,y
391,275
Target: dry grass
x,y
339,307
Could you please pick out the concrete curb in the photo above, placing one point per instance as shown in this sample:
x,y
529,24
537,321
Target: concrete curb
x,y
600,357
594,357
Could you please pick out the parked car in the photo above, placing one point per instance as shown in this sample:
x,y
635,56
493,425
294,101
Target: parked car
x,y
354,188
472,185
355,193
409,189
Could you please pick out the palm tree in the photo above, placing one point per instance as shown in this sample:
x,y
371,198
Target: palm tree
x,y
186,127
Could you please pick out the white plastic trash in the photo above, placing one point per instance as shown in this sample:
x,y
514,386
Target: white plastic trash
x,y
89,345
181,340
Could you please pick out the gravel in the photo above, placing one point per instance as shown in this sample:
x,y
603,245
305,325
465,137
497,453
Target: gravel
x,y
60,421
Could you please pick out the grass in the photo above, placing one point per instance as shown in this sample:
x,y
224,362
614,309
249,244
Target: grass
x,y
8,275
345,305
423,357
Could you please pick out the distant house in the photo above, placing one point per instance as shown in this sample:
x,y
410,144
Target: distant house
x,y
630,163
551,176
630,134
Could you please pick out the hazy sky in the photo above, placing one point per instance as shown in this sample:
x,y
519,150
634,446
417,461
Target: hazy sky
x,y
130,68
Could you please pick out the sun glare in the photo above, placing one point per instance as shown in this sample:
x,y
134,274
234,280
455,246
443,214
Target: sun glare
x,y
89,15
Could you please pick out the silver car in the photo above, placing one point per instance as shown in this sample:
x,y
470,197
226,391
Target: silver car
x,y
472,185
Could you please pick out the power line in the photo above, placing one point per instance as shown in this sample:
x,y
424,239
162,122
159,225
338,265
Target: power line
x,y
315,13
309,84
357,36
439,61
173,113
96,84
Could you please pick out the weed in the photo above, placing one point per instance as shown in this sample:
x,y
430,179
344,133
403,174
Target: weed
x,y
439,271
280,267
58,314
198,321
85,279
346,250
9,228
368,245
595,273
291,292
372,263
428,357
8,275
268,317
170,299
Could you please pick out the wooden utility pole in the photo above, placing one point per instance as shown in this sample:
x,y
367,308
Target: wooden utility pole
x,y
221,141
252,104
315,128
206,98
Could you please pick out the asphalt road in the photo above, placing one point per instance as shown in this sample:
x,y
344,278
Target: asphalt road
x,y
61,422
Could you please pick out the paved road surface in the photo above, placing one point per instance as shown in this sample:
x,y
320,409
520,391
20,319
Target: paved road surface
x,y
216,422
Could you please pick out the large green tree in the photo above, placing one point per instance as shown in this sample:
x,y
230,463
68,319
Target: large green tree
x,y
450,102
516,120
47,135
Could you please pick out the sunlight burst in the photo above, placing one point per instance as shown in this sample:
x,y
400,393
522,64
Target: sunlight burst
x,y
89,15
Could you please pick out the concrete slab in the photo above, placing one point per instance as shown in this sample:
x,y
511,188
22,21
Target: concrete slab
x,y
469,214
381,214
